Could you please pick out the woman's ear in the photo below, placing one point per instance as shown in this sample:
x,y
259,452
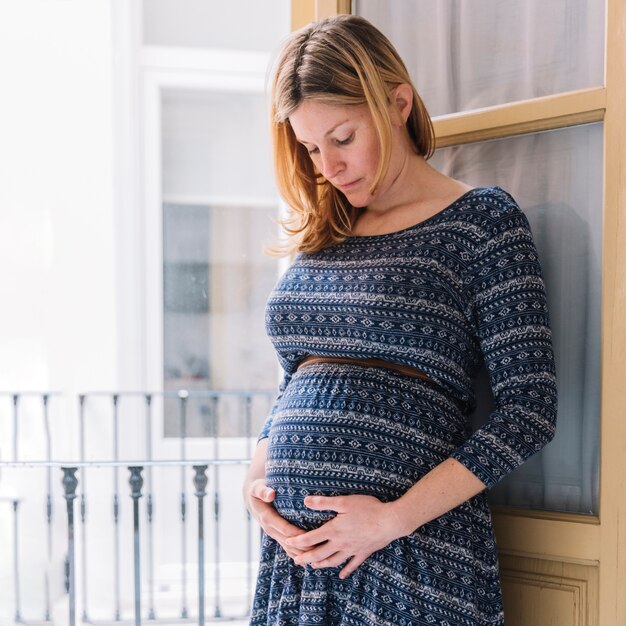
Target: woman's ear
x,y
402,100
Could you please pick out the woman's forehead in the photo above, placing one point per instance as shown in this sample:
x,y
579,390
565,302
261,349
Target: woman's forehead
x,y
320,119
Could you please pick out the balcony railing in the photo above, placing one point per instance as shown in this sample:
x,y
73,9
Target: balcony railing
x,y
166,561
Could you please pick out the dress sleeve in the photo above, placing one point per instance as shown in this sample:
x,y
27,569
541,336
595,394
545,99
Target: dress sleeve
x,y
265,431
508,304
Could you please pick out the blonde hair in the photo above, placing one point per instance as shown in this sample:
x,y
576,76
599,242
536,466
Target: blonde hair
x,y
341,60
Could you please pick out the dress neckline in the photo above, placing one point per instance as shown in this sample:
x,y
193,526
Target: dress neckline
x,y
424,222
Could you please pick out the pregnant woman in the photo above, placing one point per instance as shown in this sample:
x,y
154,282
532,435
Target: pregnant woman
x,y
367,480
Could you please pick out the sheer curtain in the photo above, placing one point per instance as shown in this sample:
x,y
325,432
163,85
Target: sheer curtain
x,y
466,55
556,177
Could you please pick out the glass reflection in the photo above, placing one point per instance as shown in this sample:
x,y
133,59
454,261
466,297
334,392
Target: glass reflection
x,y
556,177
542,48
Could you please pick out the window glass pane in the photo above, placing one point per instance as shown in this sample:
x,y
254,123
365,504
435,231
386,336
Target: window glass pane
x,y
219,212
216,281
556,177
233,25
449,47
216,144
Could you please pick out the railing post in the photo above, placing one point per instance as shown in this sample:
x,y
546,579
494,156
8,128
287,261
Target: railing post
x,y
216,506
248,436
83,503
70,482
183,395
16,559
116,507
150,508
200,481
16,400
46,418
136,483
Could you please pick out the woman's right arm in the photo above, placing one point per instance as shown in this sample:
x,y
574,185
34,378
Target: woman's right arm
x,y
258,498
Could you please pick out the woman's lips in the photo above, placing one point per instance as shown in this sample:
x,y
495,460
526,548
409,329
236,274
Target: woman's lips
x,y
348,186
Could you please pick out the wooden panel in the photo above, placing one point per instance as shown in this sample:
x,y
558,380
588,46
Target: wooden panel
x,y
302,12
552,536
567,109
305,11
539,592
326,8
613,431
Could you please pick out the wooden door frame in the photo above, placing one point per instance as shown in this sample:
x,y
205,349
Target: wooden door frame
x,y
613,424
598,542
305,11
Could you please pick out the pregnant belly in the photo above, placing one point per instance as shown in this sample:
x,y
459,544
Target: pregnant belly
x,y
344,429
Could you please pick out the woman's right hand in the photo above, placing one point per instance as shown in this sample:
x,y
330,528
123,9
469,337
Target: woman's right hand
x,y
259,502
258,498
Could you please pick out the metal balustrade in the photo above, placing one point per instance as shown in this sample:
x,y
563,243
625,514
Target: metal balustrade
x,y
74,475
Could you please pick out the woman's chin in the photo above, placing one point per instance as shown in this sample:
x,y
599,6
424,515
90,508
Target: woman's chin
x,y
357,200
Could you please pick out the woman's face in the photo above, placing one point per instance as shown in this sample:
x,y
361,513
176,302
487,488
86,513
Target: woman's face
x,y
344,147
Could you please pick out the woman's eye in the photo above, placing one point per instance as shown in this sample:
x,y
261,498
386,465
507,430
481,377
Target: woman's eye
x,y
313,151
346,141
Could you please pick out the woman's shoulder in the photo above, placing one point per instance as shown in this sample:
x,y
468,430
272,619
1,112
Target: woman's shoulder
x,y
492,202
490,209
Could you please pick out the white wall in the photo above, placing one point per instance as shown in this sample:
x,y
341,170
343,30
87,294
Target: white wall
x,y
57,245
245,24
57,248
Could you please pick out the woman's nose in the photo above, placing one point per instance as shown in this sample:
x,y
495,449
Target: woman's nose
x,y
331,164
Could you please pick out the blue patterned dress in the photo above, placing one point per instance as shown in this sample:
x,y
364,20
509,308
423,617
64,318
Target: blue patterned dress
x,y
440,296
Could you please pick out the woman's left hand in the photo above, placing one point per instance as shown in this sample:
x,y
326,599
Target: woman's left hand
x,y
362,526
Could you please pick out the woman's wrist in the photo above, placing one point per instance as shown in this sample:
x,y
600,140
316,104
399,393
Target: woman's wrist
x,y
401,520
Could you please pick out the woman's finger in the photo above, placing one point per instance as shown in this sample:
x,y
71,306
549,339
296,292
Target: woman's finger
x,y
352,565
283,532
309,539
260,490
288,529
317,554
325,503
332,561
293,555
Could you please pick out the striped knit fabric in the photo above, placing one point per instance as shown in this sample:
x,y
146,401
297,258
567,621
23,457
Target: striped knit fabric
x,y
441,296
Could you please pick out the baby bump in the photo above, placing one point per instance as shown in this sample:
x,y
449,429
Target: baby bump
x,y
345,429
